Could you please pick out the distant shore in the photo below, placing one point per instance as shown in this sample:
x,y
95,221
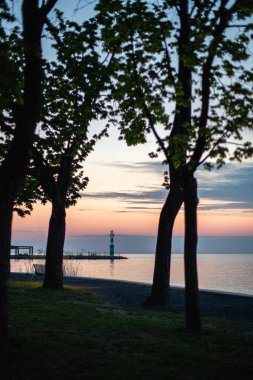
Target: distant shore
x,y
124,293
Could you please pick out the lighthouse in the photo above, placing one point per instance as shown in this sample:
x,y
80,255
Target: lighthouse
x,y
111,244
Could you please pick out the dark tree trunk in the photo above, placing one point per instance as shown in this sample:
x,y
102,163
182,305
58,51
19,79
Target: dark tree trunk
x,y
5,240
161,279
56,190
55,244
192,311
26,116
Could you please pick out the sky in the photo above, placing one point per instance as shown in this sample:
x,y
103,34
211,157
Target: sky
x,y
125,194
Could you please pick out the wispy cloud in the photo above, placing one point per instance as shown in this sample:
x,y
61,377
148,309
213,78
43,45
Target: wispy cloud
x,y
142,208
147,166
148,195
229,188
133,209
233,183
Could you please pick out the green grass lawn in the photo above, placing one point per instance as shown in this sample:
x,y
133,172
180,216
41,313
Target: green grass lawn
x,y
71,334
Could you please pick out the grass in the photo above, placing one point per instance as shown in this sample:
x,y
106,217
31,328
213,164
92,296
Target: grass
x,y
71,334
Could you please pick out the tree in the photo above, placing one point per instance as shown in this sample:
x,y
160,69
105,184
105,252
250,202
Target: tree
x,y
25,113
182,75
72,86
75,88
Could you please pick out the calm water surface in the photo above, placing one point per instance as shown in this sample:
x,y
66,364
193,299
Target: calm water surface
x,y
226,272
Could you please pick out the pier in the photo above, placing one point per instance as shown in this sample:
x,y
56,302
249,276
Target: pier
x,y
25,252
82,256
22,251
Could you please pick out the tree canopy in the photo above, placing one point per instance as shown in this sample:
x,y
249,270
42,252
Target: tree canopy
x,y
73,83
74,93
183,74
213,82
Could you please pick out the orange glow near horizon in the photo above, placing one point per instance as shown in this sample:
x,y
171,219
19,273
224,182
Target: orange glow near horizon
x,y
37,221
226,223
100,216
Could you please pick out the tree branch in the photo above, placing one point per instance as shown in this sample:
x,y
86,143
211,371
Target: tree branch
x,y
79,8
237,26
54,32
5,127
224,16
96,91
200,8
211,150
43,172
47,7
168,61
142,96
102,82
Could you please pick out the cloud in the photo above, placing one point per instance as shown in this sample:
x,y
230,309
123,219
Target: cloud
x,y
227,206
142,208
228,188
149,210
142,196
109,194
233,184
147,166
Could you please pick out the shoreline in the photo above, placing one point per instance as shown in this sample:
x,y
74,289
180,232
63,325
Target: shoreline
x,y
68,278
231,306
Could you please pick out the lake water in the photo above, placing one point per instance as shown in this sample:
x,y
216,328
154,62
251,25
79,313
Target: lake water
x,y
225,272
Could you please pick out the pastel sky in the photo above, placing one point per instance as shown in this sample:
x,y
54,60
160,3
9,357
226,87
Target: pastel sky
x,y
125,192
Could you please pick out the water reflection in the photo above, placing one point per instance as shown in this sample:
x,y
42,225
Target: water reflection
x,y
111,268
219,272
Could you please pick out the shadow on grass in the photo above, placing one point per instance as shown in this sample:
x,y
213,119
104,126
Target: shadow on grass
x,y
72,334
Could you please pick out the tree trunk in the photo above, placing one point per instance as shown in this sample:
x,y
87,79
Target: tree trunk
x,y
55,244
192,311
161,279
26,115
5,241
